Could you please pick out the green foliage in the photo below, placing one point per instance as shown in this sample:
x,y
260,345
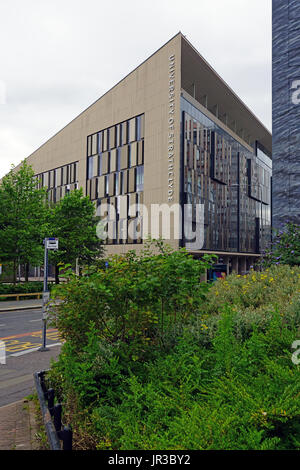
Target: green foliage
x,y
26,219
139,302
22,218
285,248
255,298
232,395
7,272
22,288
223,378
73,221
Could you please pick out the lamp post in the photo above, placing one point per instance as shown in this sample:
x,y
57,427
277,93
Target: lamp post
x,y
49,244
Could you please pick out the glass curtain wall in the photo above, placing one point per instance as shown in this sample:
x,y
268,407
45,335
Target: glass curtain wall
x,y
233,183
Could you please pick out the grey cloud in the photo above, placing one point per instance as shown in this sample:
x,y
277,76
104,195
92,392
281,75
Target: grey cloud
x,y
58,57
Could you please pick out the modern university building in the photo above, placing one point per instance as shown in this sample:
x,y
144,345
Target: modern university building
x,y
170,133
286,112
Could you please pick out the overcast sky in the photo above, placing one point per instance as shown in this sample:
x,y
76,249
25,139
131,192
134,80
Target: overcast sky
x,y
59,56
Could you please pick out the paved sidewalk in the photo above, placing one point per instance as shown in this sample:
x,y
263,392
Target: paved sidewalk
x,y
18,426
16,377
14,305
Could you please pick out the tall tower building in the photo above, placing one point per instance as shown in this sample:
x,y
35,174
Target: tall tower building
x,y
286,112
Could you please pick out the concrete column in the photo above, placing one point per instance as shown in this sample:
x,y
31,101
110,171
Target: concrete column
x,y
243,265
235,264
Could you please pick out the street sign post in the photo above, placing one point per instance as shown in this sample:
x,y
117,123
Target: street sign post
x,y
50,244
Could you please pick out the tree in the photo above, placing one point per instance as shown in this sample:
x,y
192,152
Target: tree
x,y
73,222
23,214
137,302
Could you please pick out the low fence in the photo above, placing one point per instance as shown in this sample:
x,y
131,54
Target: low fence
x,y
38,295
60,437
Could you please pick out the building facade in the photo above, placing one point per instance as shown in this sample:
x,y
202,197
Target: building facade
x,y
171,134
286,112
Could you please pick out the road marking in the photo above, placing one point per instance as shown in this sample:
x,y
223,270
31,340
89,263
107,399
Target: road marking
x,y
33,350
2,325
31,321
52,335
23,335
15,345
29,341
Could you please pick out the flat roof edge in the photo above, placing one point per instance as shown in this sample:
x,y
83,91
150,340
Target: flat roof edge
x,y
234,95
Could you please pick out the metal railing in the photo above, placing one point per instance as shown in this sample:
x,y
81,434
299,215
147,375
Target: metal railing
x,y
52,414
17,296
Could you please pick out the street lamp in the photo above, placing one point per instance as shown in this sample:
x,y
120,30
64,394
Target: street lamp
x,y
49,244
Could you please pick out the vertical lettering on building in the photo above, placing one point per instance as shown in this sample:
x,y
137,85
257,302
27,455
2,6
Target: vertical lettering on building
x,y
171,128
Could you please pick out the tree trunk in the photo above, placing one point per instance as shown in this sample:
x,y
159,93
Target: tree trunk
x,y
26,272
15,272
56,274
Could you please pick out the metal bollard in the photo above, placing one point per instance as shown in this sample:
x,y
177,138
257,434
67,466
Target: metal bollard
x,y
51,401
57,411
67,436
43,385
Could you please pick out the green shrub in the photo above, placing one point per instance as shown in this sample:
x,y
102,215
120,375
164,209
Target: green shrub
x,y
21,288
24,288
254,298
232,395
212,370
285,247
139,303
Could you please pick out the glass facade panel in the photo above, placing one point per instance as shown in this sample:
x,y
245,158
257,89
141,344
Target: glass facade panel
x,y
91,167
233,183
140,178
120,170
100,142
139,128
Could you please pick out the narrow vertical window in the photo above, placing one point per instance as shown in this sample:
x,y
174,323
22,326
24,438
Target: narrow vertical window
x,y
108,139
106,185
90,169
129,155
117,135
121,134
118,159
138,127
140,178
100,142
117,185
99,165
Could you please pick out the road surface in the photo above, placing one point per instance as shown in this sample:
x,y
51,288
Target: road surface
x,y
21,331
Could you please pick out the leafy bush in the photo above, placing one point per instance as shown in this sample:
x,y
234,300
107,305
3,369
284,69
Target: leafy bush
x,y
24,288
232,395
212,369
255,298
139,303
285,247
